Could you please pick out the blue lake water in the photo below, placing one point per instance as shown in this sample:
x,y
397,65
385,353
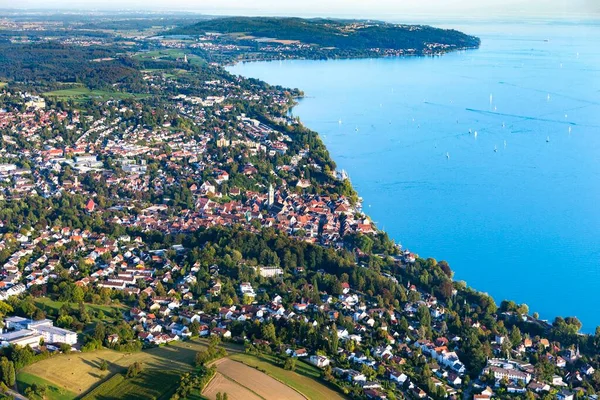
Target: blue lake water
x,y
515,209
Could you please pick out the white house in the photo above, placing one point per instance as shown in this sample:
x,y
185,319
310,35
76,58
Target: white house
x,y
398,377
319,361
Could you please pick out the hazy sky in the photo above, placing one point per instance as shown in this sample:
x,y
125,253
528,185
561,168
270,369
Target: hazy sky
x,y
356,8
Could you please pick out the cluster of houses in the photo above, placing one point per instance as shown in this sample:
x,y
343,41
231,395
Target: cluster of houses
x,y
284,207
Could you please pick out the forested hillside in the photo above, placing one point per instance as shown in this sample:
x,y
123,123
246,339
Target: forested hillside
x,y
335,33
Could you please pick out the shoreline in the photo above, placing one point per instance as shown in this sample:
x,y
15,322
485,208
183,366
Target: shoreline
x,y
366,57
585,331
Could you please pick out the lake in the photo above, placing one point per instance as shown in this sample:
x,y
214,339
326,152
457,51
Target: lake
x,y
488,158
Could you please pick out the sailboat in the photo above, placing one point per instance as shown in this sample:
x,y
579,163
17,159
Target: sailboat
x,y
475,134
447,155
470,131
547,139
356,129
491,98
340,121
505,144
569,129
495,149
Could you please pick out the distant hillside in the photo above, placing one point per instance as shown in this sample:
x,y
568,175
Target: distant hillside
x,y
343,35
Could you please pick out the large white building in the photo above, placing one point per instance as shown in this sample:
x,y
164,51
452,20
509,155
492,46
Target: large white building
x,y
23,337
24,327
7,168
269,272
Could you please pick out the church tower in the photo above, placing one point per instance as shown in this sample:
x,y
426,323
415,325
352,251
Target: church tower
x,y
271,199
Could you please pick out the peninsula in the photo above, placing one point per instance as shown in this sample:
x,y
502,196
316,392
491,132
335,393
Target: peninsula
x,y
254,38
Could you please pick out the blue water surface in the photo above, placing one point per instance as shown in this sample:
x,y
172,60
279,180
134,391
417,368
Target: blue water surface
x,y
515,208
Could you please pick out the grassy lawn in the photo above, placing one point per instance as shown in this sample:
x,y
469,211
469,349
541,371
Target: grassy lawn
x,y
195,395
151,384
306,378
24,380
81,92
79,372
170,54
49,305
107,386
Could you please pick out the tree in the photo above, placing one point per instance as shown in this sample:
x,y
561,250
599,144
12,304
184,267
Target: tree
x,y
77,294
160,289
195,328
134,370
36,390
65,348
424,316
5,309
100,331
515,336
268,332
290,364
103,365
333,340
8,371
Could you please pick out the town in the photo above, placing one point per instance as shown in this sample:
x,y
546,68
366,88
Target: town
x,y
181,204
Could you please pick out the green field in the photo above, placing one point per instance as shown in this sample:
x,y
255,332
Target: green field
x,y
306,378
170,54
79,372
52,306
151,384
24,380
195,395
82,93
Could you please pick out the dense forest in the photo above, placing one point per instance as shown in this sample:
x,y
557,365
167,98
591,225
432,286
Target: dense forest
x,y
53,62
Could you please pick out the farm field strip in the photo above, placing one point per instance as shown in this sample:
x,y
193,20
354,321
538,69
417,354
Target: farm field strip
x,y
304,380
258,382
235,391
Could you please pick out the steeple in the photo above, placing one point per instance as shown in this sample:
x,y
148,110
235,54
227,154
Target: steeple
x,y
271,198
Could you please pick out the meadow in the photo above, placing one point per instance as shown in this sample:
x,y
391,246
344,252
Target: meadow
x,y
151,384
77,373
82,93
